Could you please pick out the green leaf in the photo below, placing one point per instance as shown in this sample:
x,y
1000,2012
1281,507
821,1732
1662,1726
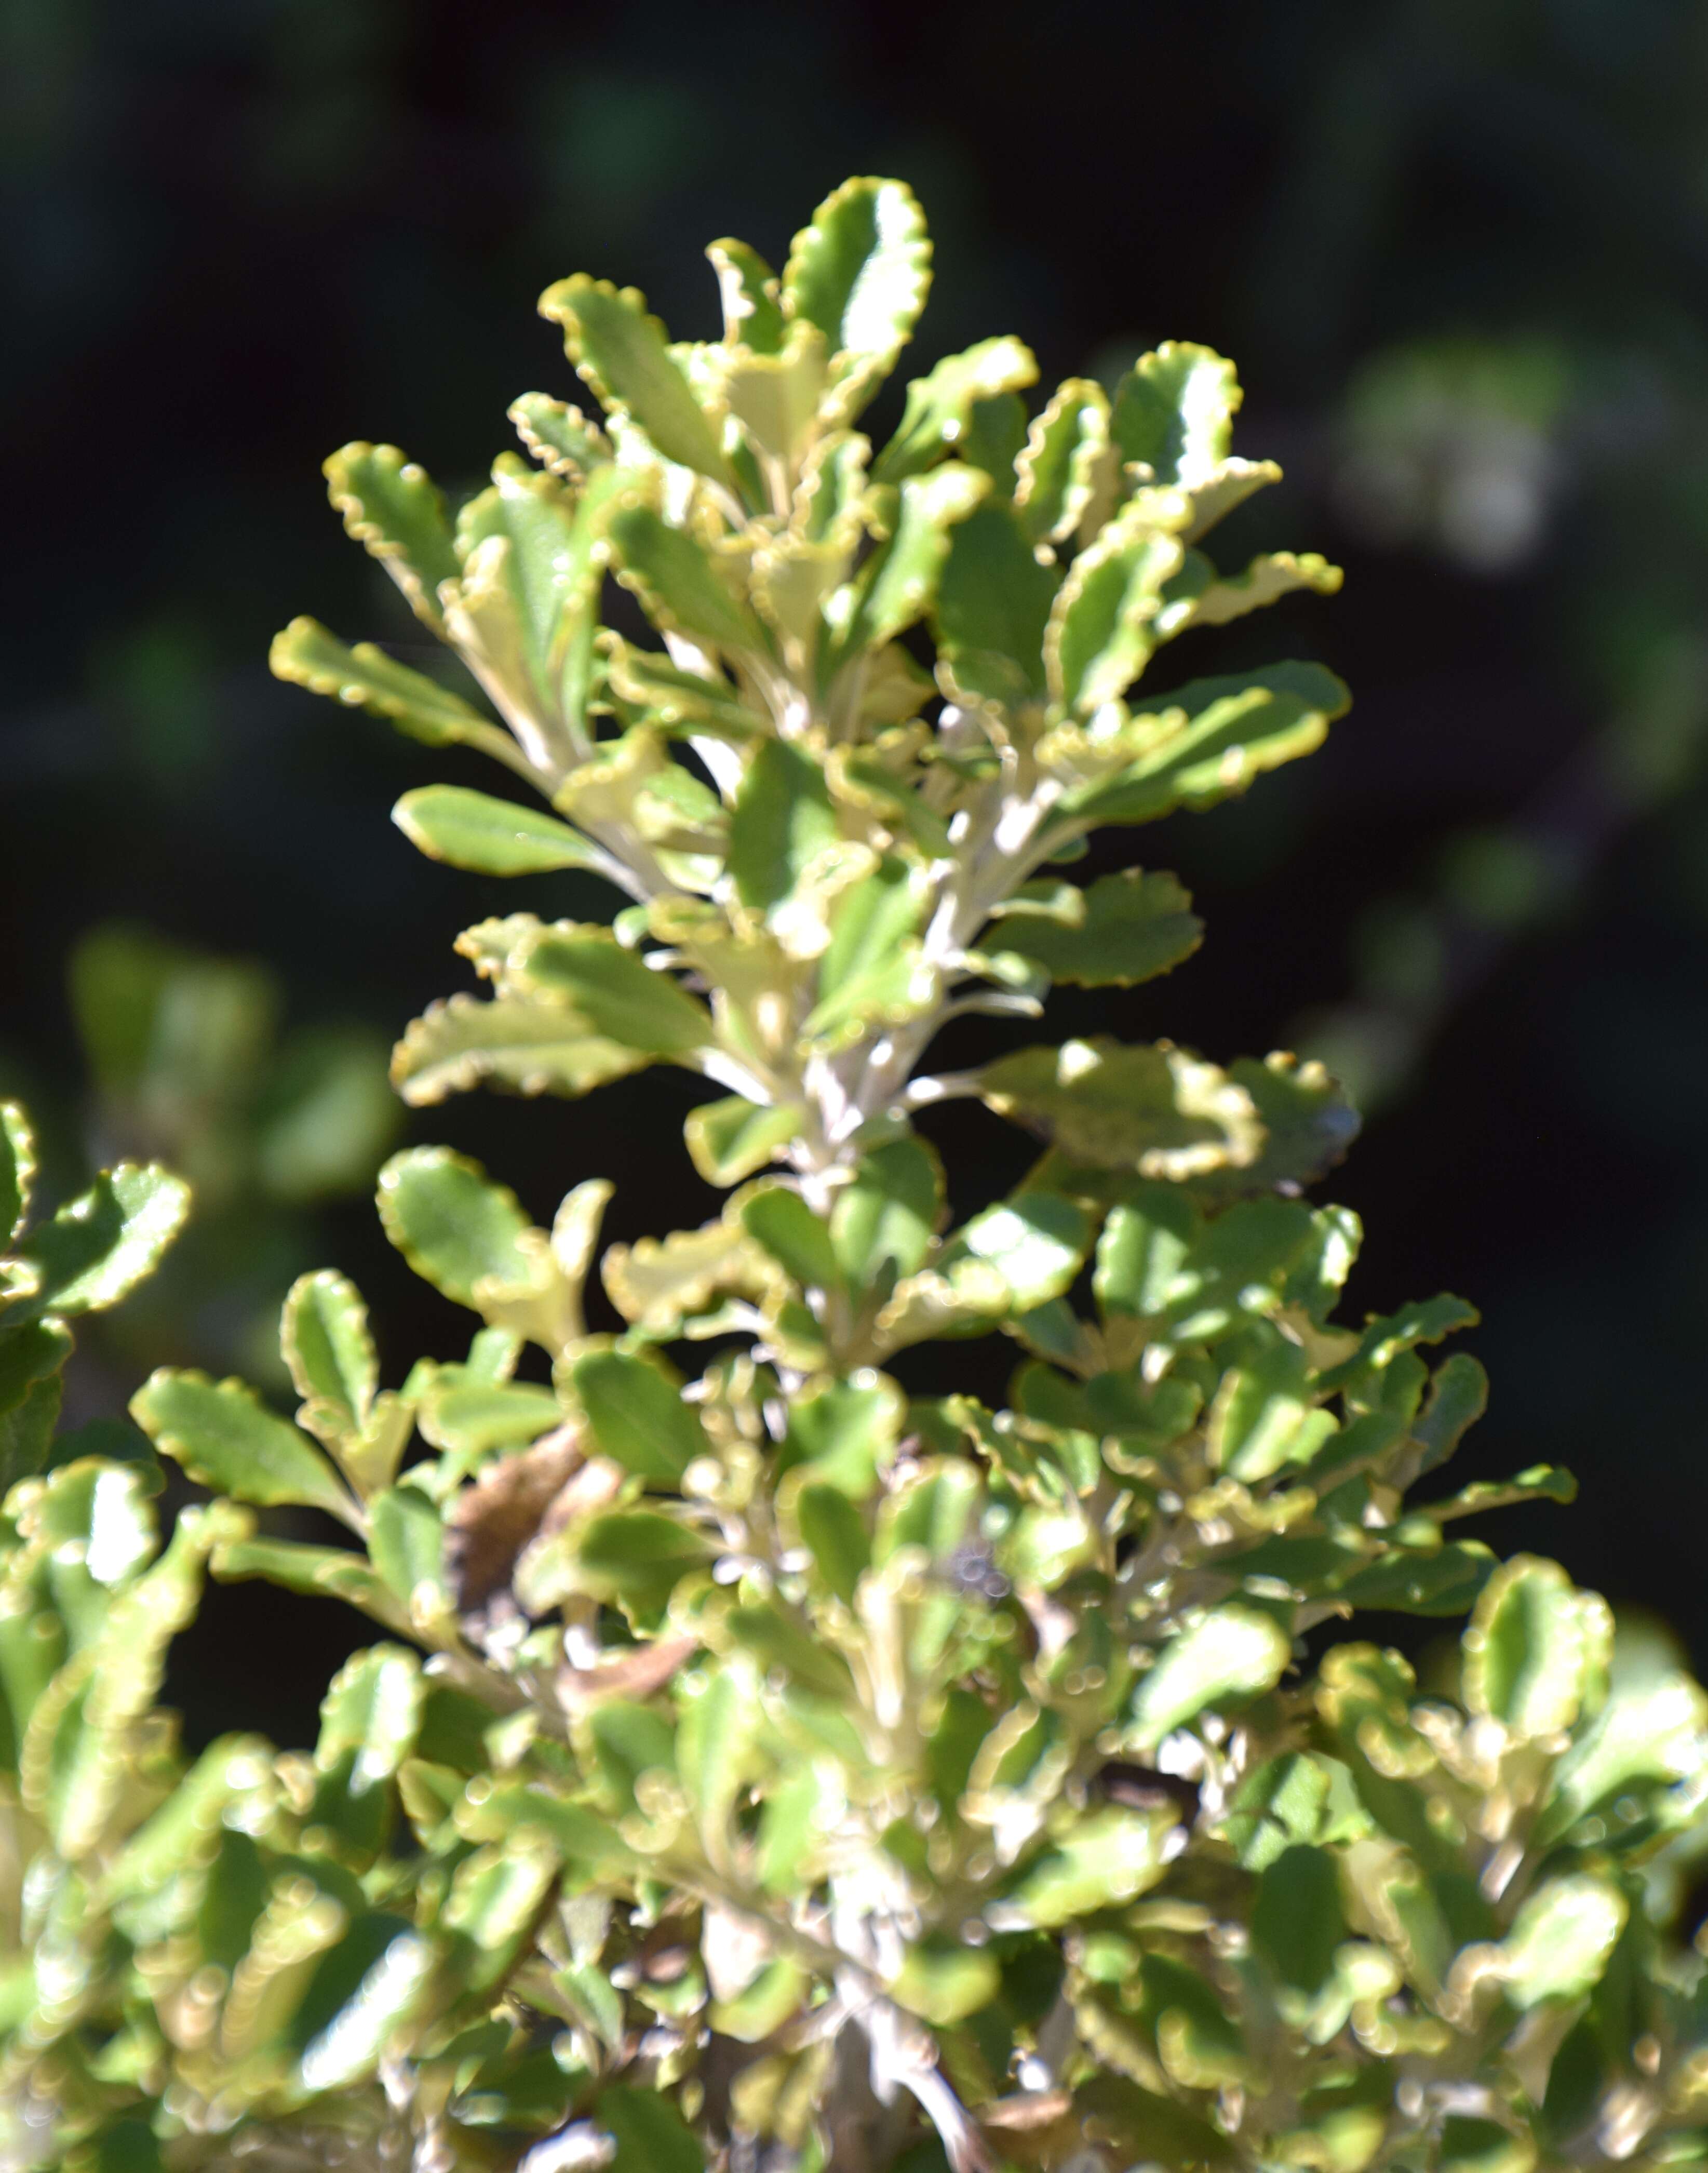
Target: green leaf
x,y
992,441
1101,631
678,582
834,1534
1443,1580
405,1543
490,837
1231,1652
558,436
1425,1320
748,289
780,1220
886,1217
544,1048
657,1284
635,1408
945,1982
1174,412
364,678
369,1719
638,1556
621,354
1200,596
227,1440
100,1245
1297,1920
993,606
1536,1649
844,1431
1262,1417
495,1901
675,699
1562,1939
1151,1107
456,1229
17,1170
316,1573
728,1140
466,1418
1125,929
324,1339
783,816
1224,733
1470,2145
860,271
870,969
366,1993
1035,1241
629,1740
1308,1124
1458,1397
391,507
1106,1859
1066,452
900,583
30,1351
613,989
649,2134
940,405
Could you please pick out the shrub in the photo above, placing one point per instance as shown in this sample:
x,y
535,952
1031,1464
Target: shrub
x,y
768,1764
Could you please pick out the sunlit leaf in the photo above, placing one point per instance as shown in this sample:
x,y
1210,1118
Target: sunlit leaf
x,y
226,1439
99,1246
860,271
490,837
1231,1652
621,353
391,507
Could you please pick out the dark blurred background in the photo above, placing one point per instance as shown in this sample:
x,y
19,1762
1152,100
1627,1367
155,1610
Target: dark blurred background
x,y
1460,251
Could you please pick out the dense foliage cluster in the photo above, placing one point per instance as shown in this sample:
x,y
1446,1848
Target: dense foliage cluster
x,y
767,1766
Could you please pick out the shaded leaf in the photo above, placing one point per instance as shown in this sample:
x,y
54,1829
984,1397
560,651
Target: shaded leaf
x,y
781,818
940,405
1125,929
634,1405
993,606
